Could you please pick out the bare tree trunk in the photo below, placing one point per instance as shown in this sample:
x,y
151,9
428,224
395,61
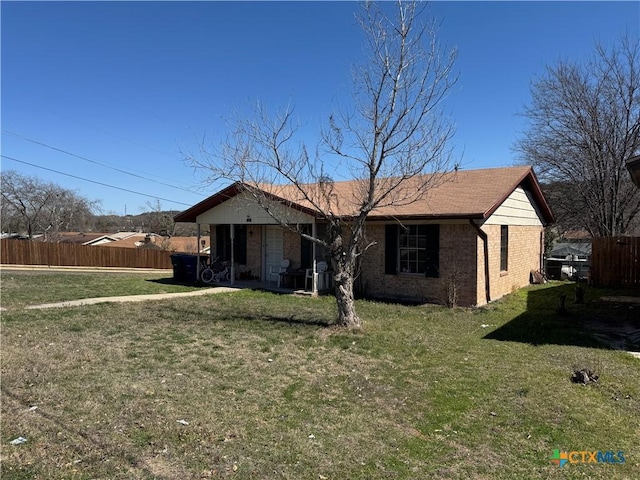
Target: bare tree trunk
x,y
347,316
343,260
394,141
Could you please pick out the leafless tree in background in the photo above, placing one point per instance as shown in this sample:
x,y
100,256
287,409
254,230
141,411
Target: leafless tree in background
x,y
157,220
33,206
584,125
394,134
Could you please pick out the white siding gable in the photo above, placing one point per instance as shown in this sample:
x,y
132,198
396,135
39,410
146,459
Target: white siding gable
x,y
238,209
518,209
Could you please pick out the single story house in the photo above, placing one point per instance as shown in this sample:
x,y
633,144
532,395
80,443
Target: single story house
x,y
481,231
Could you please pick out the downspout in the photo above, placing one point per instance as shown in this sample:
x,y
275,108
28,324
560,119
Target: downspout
x,y
485,248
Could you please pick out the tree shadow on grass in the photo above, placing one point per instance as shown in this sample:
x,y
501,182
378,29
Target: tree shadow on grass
x,y
173,281
595,323
163,281
287,320
267,310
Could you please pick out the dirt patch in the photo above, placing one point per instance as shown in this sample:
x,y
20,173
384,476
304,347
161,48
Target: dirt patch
x,y
162,468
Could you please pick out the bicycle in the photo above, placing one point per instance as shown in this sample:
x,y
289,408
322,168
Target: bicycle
x,y
216,272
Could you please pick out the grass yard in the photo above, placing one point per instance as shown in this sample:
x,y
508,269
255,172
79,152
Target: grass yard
x,y
20,288
253,385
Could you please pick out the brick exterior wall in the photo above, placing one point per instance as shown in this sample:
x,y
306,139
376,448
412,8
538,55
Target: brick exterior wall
x,y
457,264
254,251
291,248
461,263
458,261
523,256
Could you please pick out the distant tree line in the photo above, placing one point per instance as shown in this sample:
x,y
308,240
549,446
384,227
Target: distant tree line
x,y
31,206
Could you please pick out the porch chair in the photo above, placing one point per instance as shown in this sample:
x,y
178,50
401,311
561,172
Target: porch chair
x,y
321,268
276,270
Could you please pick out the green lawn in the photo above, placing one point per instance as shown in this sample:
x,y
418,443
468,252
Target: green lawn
x,y
20,288
268,389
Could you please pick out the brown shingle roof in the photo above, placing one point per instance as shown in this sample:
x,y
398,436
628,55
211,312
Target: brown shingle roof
x,y
129,242
71,237
187,244
461,194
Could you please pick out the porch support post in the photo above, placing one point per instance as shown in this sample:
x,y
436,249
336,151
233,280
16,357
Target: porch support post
x,y
198,252
232,275
314,276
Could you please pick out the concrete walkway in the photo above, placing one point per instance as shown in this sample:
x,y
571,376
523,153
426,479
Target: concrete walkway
x,y
130,298
120,299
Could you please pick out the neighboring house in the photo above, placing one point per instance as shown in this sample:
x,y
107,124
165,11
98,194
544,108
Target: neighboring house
x,y
13,236
579,250
159,242
479,231
569,260
113,237
633,165
81,238
132,241
78,238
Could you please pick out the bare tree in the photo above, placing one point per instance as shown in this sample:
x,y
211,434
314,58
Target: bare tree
x,y
584,125
158,220
31,205
394,134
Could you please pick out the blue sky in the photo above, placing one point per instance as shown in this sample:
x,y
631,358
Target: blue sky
x,y
128,86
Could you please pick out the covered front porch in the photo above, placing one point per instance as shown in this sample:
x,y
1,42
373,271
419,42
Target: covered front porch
x,y
259,251
268,257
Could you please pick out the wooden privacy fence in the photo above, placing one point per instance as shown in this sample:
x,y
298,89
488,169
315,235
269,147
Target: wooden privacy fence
x,y
615,261
25,252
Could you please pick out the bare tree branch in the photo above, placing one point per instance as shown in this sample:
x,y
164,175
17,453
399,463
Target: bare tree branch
x,y
584,125
395,142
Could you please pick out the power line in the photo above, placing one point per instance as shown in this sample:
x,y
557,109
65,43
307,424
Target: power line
x,y
94,181
17,135
101,130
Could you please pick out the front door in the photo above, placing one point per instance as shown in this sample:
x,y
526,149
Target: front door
x,y
272,249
